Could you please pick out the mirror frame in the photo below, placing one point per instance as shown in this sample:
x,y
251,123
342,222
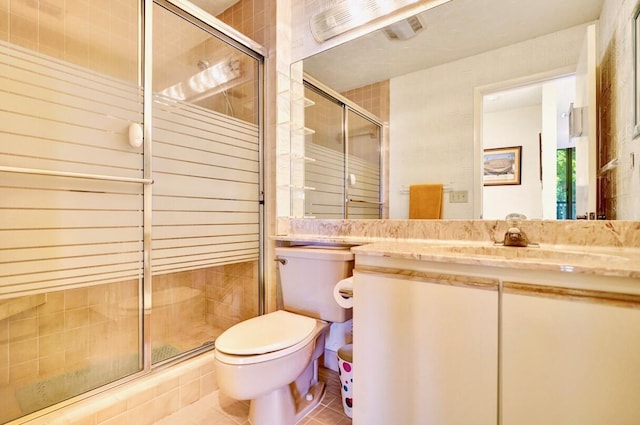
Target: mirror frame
x,y
636,70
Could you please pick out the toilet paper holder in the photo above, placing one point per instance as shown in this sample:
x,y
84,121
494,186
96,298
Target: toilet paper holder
x,y
343,293
346,293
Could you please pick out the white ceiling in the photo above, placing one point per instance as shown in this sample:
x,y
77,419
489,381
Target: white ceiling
x,y
214,7
531,95
454,30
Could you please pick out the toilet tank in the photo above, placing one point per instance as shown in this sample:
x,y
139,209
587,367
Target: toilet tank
x,y
307,277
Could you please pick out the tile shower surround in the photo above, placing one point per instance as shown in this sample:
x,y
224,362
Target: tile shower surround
x,y
73,329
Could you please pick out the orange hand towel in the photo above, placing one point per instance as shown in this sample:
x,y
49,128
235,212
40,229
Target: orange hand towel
x,y
425,201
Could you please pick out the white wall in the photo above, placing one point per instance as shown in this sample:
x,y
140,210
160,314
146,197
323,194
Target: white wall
x,y
515,127
550,120
432,115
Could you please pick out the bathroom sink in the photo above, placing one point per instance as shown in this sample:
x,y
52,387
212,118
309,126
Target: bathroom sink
x,y
543,254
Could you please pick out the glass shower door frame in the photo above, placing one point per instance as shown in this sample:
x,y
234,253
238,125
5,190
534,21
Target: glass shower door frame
x,y
349,107
245,45
349,178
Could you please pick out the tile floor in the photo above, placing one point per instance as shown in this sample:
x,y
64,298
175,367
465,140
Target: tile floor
x,y
217,409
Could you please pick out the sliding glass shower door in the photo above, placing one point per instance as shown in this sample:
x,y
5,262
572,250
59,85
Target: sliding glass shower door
x,y
363,167
324,173
206,193
71,200
130,193
343,158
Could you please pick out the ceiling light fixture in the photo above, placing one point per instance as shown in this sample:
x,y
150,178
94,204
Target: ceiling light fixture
x,y
351,14
205,80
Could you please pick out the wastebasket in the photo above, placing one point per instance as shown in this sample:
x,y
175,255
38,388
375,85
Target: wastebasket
x,y
345,371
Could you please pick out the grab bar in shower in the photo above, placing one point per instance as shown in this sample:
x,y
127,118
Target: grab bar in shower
x,y
73,175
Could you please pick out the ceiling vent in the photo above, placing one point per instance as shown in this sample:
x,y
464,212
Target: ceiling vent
x,y
403,30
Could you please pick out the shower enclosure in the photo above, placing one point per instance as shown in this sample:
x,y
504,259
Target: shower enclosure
x,y
130,193
342,146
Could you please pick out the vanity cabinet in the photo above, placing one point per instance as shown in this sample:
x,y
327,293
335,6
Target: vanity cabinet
x,y
569,357
443,343
425,349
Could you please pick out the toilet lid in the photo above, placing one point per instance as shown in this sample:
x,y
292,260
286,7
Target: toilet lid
x,y
264,334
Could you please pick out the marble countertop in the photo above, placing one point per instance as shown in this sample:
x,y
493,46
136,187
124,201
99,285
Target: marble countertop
x,y
605,261
595,247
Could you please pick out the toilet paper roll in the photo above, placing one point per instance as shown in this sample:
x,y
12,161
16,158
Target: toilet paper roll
x,y
345,286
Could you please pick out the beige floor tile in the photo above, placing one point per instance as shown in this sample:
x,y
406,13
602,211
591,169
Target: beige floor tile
x,y
218,409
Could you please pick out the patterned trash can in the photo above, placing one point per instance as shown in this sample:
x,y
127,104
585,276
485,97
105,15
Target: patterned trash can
x,y
345,370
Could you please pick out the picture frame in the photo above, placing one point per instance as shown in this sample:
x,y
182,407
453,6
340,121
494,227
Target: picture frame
x,y
502,166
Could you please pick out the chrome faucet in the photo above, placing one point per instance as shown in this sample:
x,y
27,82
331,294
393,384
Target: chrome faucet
x,y
515,237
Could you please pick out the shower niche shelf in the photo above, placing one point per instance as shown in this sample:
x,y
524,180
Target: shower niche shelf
x,y
297,130
296,188
296,157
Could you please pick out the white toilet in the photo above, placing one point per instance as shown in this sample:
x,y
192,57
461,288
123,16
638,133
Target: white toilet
x,y
272,360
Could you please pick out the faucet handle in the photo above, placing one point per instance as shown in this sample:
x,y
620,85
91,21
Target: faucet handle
x,y
515,237
515,216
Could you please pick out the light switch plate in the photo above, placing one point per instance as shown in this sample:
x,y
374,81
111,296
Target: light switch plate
x,y
458,196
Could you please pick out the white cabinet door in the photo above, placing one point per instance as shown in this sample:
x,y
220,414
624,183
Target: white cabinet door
x,y
568,362
424,353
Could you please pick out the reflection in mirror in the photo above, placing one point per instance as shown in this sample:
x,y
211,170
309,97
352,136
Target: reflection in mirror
x,y
342,151
636,69
546,181
432,78
363,167
324,175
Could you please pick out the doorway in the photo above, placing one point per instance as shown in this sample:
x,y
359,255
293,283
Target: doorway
x,y
532,119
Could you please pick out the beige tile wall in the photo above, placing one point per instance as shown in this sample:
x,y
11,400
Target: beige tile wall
x,y
179,47
98,35
252,18
98,325
70,330
231,294
373,97
222,296
620,188
325,117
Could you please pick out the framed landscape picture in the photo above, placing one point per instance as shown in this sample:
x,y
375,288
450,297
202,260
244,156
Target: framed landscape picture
x,y
502,166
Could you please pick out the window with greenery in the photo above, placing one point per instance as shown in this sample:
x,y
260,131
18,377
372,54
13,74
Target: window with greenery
x,y
566,184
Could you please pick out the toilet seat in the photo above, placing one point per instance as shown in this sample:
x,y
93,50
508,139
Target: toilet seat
x,y
265,337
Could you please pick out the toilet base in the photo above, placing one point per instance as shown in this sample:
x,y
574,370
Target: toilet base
x,y
305,406
279,406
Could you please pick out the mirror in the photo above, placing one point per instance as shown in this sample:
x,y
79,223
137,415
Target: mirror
x,y
545,188
636,69
438,77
